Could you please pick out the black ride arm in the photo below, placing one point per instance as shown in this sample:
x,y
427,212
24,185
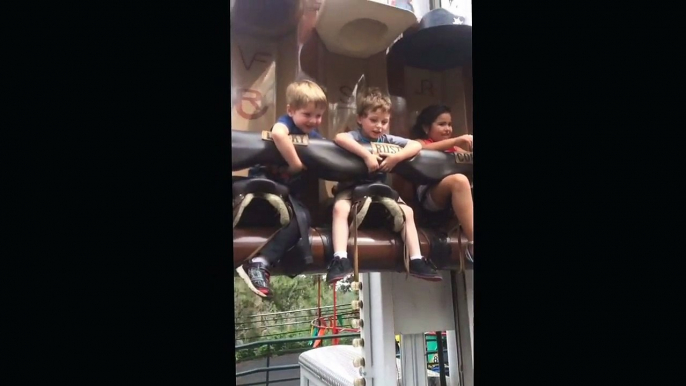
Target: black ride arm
x,y
330,162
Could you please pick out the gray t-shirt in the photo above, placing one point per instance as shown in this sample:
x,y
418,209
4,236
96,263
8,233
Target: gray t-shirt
x,y
376,176
385,138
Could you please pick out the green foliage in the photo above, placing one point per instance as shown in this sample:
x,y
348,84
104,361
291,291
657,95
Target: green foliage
x,y
289,295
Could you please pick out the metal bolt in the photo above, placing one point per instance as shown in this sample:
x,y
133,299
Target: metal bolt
x,y
358,362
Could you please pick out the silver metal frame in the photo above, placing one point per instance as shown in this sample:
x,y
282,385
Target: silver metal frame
x,y
378,335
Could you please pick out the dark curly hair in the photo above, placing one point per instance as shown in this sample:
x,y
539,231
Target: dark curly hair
x,y
426,118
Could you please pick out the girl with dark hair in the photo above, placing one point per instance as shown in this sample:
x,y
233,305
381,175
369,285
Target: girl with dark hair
x,y
434,130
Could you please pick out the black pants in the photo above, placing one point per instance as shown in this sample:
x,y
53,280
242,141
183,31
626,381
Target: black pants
x,y
282,242
291,245
287,246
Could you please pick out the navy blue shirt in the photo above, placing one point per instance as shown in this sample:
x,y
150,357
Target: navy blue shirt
x,y
271,172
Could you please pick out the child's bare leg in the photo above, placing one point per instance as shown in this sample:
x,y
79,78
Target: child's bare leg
x,y
339,227
410,231
419,267
340,266
456,188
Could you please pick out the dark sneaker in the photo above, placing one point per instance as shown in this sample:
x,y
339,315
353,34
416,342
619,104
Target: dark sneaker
x,y
338,269
256,276
421,268
469,252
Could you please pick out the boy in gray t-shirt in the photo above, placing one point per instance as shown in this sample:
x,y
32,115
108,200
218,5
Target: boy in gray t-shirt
x,y
373,114
377,176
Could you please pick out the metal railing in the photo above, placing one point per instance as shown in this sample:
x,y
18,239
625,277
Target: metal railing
x,y
268,369
274,316
297,323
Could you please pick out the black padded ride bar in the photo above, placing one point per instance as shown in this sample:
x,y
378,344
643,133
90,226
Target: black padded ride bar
x,y
330,162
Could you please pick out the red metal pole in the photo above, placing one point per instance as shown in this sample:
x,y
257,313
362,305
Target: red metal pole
x,y
319,298
335,340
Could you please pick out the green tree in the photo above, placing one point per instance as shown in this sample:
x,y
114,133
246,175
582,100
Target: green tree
x,y
290,295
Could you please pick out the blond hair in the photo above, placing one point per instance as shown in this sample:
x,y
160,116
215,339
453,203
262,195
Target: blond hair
x,y
371,100
302,93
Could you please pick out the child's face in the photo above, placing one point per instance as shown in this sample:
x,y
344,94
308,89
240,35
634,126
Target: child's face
x,y
442,128
307,118
375,123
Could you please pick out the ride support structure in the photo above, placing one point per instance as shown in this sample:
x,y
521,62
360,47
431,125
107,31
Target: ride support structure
x,y
392,303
